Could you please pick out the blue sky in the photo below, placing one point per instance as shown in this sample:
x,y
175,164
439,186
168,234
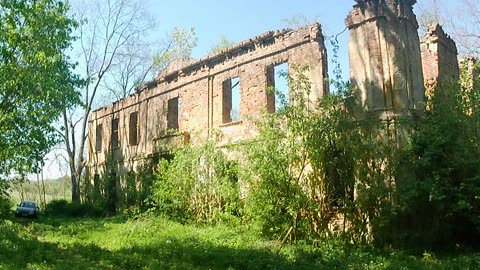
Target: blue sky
x,y
241,20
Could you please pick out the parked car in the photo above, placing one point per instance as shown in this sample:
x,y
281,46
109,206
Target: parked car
x,y
27,209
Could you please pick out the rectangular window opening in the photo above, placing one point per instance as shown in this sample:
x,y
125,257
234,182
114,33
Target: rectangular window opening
x,y
114,137
231,100
133,129
277,87
173,113
98,138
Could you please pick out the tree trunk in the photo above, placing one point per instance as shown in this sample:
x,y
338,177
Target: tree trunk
x,y
75,188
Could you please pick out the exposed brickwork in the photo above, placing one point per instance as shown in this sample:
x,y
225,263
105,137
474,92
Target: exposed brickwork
x,y
197,88
439,59
384,50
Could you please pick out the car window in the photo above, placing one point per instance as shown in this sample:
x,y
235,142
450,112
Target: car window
x,y
28,204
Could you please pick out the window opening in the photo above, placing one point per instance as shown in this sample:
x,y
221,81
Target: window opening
x,y
98,138
133,128
231,100
173,113
114,137
277,87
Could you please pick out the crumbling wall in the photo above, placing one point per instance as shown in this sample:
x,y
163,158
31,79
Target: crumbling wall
x,y
194,93
439,59
384,51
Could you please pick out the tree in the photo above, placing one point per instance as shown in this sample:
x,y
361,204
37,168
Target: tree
x,y
429,13
301,164
36,79
178,46
108,33
459,19
198,185
116,58
223,44
466,28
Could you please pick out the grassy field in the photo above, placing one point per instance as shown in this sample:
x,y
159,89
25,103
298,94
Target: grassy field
x,y
156,243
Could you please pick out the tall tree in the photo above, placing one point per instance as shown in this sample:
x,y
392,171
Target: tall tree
x,y
108,32
36,79
116,57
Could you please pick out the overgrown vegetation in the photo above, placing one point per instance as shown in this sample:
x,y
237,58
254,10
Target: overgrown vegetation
x,y
315,171
157,243
64,208
441,204
199,184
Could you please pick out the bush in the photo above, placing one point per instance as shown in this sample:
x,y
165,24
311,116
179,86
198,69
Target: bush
x,y
5,202
198,185
65,208
5,207
441,206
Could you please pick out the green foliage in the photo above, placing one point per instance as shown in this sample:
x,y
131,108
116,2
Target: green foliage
x,y
24,189
223,44
199,184
36,79
299,20
315,171
180,48
64,208
442,203
309,160
156,243
301,166
5,202
127,193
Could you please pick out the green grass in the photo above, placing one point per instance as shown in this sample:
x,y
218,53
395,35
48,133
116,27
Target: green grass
x,y
156,243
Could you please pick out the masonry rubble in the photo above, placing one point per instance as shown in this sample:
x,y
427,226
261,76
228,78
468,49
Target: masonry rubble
x,y
195,98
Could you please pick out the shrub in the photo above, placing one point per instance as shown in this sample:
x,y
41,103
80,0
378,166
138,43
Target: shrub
x,y
199,184
65,208
5,201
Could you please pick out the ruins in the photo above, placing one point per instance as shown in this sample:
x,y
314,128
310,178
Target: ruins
x,y
439,58
191,100
385,62
194,99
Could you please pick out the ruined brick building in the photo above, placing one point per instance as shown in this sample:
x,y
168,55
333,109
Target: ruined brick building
x,y
191,100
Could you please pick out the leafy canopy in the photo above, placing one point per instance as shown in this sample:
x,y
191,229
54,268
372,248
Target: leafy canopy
x,y
36,79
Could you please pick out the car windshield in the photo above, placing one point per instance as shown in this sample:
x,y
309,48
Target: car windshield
x,y
28,204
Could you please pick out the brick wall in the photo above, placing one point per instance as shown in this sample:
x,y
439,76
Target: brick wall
x,y
197,90
439,59
384,51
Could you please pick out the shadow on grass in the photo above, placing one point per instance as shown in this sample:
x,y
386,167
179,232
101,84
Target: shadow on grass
x,y
21,250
